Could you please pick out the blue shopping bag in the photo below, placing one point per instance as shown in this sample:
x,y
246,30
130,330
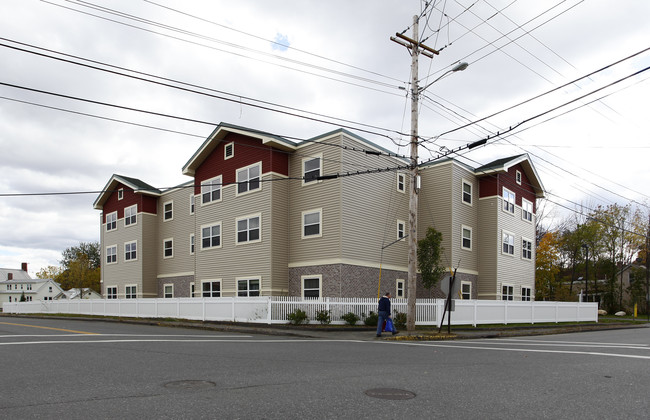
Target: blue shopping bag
x,y
389,325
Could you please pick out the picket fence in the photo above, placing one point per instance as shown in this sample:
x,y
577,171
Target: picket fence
x,y
274,309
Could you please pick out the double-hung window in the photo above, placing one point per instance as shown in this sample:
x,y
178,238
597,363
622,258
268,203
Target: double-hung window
x,y
168,291
248,179
192,243
130,215
111,254
211,289
508,243
311,287
211,190
526,210
311,223
399,288
466,290
111,292
130,251
248,229
168,210
507,292
111,221
248,287
526,294
168,248
311,169
526,249
192,202
508,201
401,182
467,192
130,292
467,237
211,236
401,229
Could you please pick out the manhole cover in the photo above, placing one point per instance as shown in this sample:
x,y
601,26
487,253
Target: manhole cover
x,y
189,384
390,394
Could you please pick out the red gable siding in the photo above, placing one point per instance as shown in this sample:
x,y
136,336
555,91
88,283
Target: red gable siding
x,y
491,185
145,203
247,151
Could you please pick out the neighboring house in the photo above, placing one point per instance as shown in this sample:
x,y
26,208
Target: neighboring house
x,y
76,294
14,284
256,219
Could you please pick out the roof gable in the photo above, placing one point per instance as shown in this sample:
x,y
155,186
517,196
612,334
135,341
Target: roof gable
x,y
138,187
502,166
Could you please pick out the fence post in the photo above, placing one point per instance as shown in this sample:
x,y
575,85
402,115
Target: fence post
x,y
532,312
269,310
233,309
505,313
475,313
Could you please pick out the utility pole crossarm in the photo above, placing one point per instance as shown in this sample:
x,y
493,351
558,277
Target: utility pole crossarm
x,y
419,44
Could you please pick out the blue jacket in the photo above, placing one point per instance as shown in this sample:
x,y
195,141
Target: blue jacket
x,y
384,304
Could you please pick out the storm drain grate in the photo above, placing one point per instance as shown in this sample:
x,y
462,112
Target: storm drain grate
x,y
390,394
190,384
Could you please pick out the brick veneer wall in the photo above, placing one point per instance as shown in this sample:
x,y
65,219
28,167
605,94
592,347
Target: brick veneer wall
x,y
181,286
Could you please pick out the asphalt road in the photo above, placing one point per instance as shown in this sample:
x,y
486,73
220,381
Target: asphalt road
x,y
76,369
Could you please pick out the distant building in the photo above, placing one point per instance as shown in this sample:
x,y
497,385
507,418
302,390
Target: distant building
x,y
16,285
264,216
75,293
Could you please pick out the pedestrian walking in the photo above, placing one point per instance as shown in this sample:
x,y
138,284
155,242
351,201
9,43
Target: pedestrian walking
x,y
384,315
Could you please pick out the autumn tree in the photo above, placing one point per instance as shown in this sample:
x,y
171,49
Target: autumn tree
x,y
80,267
547,267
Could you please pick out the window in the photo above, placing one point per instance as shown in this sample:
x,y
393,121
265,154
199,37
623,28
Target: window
x,y
130,292
401,229
168,211
311,221
192,201
211,289
518,177
508,243
401,182
526,249
467,192
399,288
525,294
526,210
211,236
111,292
466,290
508,200
168,291
130,249
248,287
191,244
466,242
192,289
120,193
507,292
311,287
111,221
130,215
211,190
228,150
248,179
311,169
111,254
248,229
168,248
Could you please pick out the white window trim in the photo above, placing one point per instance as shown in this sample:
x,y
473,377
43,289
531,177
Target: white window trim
x,y
192,289
399,285
220,236
249,191
135,210
530,295
113,213
120,194
509,286
211,281
225,148
216,180
192,203
471,193
302,284
164,249
165,212
513,202
468,283
131,285
248,278
116,259
112,287
136,251
302,220
531,249
165,293
518,177
403,182
471,238
250,216
318,156
403,223
523,210
514,242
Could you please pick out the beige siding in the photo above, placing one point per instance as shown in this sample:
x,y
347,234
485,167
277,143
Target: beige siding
x,y
489,243
179,229
435,206
464,215
279,228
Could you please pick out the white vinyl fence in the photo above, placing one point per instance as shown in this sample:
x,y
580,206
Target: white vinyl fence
x,y
274,310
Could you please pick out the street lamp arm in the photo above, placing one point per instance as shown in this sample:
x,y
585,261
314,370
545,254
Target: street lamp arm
x,y
458,67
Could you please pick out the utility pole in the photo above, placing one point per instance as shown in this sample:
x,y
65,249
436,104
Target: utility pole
x,y
415,47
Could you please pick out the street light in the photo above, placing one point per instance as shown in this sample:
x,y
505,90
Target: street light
x,y
458,67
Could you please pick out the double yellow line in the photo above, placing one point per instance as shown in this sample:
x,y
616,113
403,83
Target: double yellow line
x,y
51,328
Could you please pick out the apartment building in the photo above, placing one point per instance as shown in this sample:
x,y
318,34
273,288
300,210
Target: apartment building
x,y
262,215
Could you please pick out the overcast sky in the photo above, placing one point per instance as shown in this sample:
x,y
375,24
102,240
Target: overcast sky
x,y
331,61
